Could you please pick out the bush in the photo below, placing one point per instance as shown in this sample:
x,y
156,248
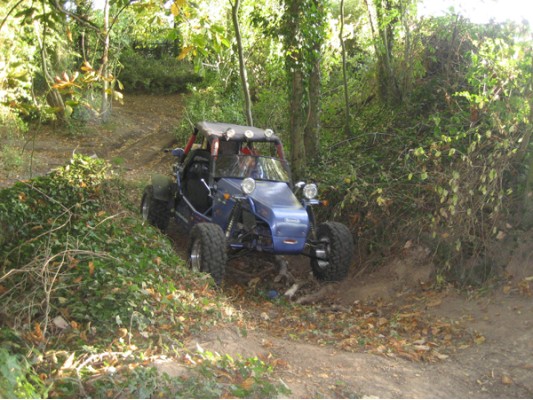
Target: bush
x,y
155,75
93,295
18,379
443,169
211,103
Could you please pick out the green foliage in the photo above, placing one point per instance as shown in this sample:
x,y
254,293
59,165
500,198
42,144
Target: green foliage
x,y
444,168
62,245
155,75
95,295
304,27
18,379
269,110
205,38
210,103
12,129
209,375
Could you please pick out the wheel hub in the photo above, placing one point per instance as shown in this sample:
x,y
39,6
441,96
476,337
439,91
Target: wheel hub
x,y
145,210
196,256
321,253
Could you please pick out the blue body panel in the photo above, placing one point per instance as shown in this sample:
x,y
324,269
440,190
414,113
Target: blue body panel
x,y
273,203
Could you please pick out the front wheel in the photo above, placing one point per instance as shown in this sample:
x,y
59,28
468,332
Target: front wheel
x,y
207,250
332,256
155,211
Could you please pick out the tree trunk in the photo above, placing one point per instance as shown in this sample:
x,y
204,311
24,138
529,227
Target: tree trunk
x,y
294,61
83,8
53,97
347,116
297,125
383,45
312,127
242,67
105,108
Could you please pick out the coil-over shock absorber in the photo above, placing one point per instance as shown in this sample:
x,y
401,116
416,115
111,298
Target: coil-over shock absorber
x,y
235,215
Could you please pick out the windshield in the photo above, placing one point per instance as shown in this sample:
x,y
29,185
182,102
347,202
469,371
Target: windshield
x,y
257,167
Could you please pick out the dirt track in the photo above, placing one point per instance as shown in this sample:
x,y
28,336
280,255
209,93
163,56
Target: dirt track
x,y
498,366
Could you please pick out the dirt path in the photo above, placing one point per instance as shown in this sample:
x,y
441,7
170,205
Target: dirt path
x,y
132,139
498,364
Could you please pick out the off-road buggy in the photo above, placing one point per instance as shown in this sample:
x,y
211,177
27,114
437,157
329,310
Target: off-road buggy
x,y
231,188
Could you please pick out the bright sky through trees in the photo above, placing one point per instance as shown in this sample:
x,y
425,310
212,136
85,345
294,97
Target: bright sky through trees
x,y
478,11
481,11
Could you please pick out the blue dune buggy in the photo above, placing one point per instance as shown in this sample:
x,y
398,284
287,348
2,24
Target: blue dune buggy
x,y
231,188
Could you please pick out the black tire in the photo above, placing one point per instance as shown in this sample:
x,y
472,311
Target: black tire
x,y
207,250
155,211
334,251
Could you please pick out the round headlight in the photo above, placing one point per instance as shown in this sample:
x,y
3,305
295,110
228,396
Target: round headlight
x,y
248,185
269,133
310,191
249,134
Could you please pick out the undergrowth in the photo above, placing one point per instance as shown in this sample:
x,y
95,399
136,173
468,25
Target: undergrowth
x,y
91,297
155,75
447,171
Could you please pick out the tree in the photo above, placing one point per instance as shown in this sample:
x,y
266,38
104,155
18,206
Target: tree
x,y
304,37
316,32
242,67
295,64
347,116
382,26
42,31
105,107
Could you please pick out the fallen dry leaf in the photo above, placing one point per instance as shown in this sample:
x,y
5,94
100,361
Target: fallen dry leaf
x,y
60,322
248,383
506,380
479,339
434,303
68,362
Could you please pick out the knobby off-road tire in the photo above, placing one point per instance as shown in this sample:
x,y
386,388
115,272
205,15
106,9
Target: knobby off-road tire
x,y
155,211
336,249
207,250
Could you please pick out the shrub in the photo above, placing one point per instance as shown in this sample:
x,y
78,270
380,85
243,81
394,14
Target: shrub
x,y
210,103
155,75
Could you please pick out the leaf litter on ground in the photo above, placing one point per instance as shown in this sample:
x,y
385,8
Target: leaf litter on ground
x,y
392,330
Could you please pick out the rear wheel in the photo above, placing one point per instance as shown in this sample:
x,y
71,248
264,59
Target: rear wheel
x,y
155,211
207,250
332,256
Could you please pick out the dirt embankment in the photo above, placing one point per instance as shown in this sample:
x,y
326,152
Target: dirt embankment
x,y
498,364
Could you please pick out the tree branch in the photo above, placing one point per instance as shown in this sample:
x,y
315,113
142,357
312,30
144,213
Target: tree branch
x,y
55,4
9,13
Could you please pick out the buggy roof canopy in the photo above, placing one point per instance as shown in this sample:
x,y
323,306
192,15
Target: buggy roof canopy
x,y
236,133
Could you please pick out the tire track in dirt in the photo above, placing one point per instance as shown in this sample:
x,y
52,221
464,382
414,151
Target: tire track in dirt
x,y
145,127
